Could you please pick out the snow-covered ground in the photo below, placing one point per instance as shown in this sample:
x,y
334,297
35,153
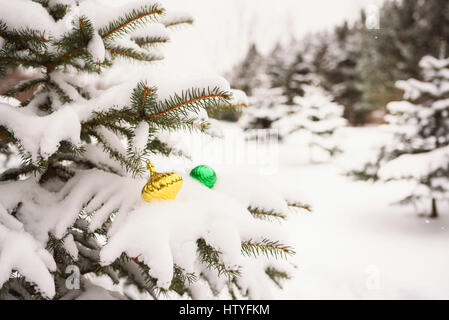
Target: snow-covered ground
x,y
356,244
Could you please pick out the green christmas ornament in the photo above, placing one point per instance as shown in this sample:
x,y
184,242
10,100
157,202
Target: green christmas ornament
x,y
204,174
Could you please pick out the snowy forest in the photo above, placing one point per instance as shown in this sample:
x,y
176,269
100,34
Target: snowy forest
x,y
314,166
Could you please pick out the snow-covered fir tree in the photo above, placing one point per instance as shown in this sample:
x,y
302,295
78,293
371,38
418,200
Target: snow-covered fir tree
x,y
298,74
71,210
336,59
245,76
279,79
316,117
420,150
267,99
267,105
276,64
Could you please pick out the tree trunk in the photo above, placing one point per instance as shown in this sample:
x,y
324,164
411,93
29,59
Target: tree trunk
x,y
434,213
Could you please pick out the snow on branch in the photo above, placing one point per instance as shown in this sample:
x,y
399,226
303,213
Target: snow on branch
x,y
173,19
136,17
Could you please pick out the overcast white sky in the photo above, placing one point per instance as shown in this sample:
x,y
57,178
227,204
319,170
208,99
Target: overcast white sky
x,y
224,28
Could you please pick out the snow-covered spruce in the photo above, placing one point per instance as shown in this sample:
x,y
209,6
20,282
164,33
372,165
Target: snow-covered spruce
x,y
73,202
267,105
316,117
284,94
420,151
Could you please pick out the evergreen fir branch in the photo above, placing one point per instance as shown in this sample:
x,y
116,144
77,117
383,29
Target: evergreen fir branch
x,y
230,106
73,45
56,170
78,38
131,21
85,28
193,99
143,98
128,53
150,41
299,205
2,67
16,173
408,200
146,93
276,276
113,116
36,166
131,165
13,61
212,286
244,293
5,135
66,148
175,124
181,280
155,146
121,130
50,167
43,3
58,11
24,38
63,97
40,99
367,173
263,214
218,110
84,236
169,23
137,274
170,115
67,56
19,288
232,293
82,92
210,257
24,86
60,254
29,48
267,248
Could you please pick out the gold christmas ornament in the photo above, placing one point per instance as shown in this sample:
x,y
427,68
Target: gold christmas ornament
x,y
164,186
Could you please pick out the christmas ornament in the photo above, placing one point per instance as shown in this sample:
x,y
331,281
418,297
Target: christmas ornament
x,y
164,186
204,174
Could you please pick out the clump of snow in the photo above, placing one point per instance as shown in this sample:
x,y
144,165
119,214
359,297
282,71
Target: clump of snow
x,y
10,100
19,251
26,14
46,132
96,48
70,246
417,166
239,98
173,18
141,137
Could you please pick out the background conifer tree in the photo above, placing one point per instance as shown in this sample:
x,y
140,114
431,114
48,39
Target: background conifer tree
x,y
420,151
317,117
73,201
